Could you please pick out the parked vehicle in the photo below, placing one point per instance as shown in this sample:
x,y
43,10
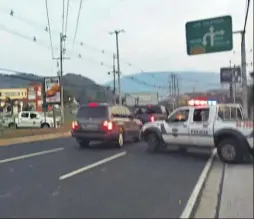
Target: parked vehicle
x,y
30,119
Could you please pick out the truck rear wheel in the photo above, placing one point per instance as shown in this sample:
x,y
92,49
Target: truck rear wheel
x,y
153,142
12,126
45,125
230,151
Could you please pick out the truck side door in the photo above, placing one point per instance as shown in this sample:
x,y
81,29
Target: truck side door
x,y
177,128
24,120
35,120
201,127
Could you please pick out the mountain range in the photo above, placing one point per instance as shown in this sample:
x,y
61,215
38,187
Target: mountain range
x,y
159,81
81,87
84,88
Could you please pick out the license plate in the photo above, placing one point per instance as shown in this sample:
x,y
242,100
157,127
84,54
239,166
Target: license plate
x,y
89,126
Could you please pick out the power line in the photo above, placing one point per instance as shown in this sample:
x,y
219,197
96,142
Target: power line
x,y
50,38
77,23
66,22
31,39
80,56
102,51
108,66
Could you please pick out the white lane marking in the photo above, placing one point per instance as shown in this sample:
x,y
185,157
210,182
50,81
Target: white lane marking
x,y
98,163
198,187
30,155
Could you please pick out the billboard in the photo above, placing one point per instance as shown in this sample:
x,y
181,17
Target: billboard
x,y
229,75
52,89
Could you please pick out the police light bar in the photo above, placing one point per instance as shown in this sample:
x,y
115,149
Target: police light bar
x,y
202,102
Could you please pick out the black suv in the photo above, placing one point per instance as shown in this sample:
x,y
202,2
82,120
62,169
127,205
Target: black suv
x,y
150,113
104,122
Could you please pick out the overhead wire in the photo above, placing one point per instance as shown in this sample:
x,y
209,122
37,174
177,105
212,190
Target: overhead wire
x,y
80,43
77,22
130,77
49,29
103,51
66,23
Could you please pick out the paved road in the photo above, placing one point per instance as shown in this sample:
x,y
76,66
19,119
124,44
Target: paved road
x,y
137,184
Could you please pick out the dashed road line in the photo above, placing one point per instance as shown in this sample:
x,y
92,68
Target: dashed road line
x,y
98,163
30,155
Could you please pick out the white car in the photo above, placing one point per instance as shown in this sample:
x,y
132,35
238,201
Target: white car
x,y
221,126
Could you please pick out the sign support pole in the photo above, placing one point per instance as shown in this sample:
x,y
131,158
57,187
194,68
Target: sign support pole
x,y
244,74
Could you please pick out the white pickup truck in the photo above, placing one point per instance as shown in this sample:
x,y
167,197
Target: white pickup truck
x,y
31,119
221,126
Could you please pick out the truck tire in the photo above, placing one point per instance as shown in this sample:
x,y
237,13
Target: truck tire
x,y
230,151
153,142
45,125
12,125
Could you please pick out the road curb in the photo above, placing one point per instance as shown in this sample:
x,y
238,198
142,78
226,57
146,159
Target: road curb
x,y
34,138
192,204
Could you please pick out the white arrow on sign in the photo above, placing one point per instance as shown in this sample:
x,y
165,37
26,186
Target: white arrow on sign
x,y
212,34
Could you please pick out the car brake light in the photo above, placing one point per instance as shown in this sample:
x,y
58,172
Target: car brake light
x,y
152,119
74,125
107,125
92,104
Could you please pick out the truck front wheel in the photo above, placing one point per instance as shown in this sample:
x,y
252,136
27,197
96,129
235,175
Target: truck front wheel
x,y
153,142
230,151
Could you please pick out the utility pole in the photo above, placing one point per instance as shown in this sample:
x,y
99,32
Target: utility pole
x,y
173,82
61,58
169,86
231,82
114,78
234,83
116,32
61,77
244,74
177,91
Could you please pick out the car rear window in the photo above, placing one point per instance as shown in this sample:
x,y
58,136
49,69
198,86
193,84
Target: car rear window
x,y
151,110
93,112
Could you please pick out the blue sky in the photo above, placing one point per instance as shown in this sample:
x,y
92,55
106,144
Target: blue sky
x,y
154,39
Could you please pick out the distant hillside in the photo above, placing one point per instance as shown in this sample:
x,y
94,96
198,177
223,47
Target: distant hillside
x,y
200,81
81,87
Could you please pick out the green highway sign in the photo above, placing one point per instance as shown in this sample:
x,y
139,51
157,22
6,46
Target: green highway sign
x,y
209,35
